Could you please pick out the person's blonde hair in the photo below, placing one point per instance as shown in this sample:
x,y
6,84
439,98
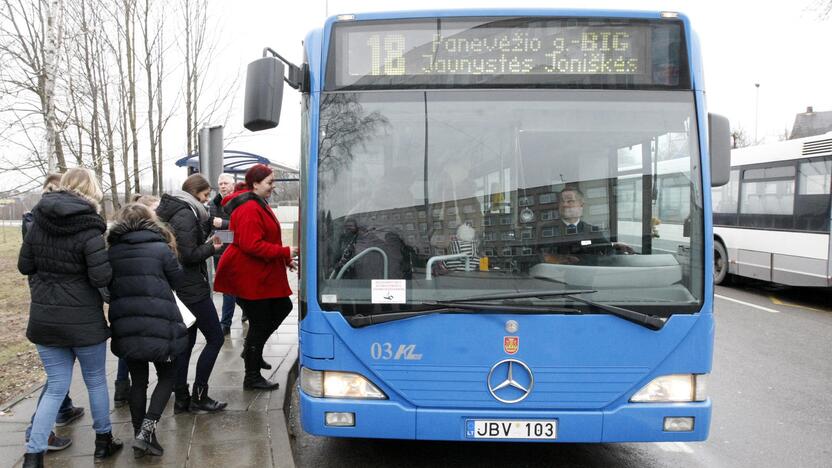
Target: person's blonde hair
x,y
139,214
82,182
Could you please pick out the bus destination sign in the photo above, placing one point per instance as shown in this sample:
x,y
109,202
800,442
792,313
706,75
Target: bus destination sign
x,y
465,51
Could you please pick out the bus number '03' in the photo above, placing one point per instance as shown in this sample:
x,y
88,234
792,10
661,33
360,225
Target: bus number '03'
x,y
387,352
392,47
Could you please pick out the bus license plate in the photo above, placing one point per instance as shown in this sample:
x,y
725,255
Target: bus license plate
x,y
511,429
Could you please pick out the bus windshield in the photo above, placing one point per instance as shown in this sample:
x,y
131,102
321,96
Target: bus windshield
x,y
452,194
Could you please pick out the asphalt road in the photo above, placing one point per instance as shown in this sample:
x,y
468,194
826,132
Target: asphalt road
x,y
771,386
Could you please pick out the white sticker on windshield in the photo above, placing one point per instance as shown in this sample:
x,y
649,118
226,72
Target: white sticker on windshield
x,y
329,298
389,292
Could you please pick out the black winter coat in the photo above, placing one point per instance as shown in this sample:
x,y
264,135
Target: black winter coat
x,y
65,258
217,211
193,251
144,316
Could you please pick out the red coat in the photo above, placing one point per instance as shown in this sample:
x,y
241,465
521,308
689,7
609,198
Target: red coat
x,y
254,265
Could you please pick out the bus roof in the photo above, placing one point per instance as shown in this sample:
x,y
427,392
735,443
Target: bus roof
x,y
590,13
813,146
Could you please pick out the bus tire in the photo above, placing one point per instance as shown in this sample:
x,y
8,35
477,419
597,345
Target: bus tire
x,y
721,275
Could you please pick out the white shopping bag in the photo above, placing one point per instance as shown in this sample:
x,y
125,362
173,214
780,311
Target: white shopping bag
x,y
187,316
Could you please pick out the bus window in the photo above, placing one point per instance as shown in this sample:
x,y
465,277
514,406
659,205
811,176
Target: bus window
x,y
725,201
767,197
812,205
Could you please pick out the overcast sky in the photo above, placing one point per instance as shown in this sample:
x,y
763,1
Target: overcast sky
x,y
784,48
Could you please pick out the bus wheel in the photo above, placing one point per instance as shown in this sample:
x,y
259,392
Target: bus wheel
x,y
720,264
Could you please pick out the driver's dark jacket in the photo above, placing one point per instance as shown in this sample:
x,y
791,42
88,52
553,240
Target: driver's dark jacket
x,y
570,244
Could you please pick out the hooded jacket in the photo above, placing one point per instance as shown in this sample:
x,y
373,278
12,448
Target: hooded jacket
x,y
254,265
216,210
144,317
191,235
65,258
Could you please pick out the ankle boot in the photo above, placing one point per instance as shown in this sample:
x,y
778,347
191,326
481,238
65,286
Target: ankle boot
x,y
200,401
122,393
33,460
106,445
146,443
182,399
253,380
263,363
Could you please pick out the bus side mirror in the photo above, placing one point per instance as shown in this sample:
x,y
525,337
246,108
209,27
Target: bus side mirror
x,y
264,94
719,147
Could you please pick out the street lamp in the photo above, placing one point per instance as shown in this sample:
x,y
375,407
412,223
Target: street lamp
x,y
756,110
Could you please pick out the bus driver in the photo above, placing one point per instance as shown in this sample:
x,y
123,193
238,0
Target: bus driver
x,y
577,237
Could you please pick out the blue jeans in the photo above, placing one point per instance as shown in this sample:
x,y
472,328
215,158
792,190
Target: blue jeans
x,y
58,362
66,406
228,303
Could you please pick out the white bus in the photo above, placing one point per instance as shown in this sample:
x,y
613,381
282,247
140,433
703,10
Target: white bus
x,y
772,220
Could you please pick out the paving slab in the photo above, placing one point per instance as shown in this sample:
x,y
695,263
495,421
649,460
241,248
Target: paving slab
x,y
250,432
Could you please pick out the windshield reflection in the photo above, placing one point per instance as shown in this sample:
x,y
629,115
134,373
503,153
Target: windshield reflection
x,y
456,191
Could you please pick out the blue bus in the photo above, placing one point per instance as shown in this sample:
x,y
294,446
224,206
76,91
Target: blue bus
x,y
480,204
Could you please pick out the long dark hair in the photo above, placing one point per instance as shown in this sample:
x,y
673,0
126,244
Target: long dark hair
x,y
194,184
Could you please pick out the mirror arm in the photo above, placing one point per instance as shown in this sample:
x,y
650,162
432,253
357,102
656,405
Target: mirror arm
x,y
297,75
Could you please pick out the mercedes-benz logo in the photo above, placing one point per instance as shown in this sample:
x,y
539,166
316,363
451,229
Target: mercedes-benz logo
x,y
510,381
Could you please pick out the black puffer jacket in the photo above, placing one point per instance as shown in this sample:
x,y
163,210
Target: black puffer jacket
x,y
66,260
217,211
144,316
193,251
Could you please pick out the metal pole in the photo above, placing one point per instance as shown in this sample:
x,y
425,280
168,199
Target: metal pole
x,y
756,110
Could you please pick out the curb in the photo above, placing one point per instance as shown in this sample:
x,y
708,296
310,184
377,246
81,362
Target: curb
x,y
281,443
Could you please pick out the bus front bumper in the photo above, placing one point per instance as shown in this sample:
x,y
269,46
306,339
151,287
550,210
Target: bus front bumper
x,y
387,419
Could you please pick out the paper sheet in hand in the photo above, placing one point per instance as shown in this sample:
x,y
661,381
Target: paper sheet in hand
x,y
187,316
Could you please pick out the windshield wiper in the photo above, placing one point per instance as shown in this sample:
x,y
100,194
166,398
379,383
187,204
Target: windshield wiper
x,y
450,307
650,321
475,304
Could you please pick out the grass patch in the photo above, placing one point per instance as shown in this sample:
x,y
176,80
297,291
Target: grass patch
x,y
19,361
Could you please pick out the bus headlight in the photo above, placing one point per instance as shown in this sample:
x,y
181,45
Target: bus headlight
x,y
334,384
673,388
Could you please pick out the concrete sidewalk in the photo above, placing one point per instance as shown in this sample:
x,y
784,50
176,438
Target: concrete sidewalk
x,y
250,432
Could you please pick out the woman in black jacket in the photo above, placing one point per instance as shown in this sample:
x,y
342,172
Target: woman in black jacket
x,y
146,323
185,213
66,260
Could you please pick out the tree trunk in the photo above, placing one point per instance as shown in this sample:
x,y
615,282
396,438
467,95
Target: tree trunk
x,y
54,149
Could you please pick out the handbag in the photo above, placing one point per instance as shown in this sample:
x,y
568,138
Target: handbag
x,y
187,317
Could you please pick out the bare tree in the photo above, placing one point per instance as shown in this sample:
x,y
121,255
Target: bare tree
x,y
32,32
149,47
823,8
739,138
51,54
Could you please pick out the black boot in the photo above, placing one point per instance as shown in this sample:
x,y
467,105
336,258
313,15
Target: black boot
x,y
146,443
33,460
182,399
122,393
106,445
200,401
253,380
263,363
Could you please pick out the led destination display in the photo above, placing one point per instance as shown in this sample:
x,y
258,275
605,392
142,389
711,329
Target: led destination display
x,y
506,51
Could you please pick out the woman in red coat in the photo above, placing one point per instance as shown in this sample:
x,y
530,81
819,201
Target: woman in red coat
x,y
253,268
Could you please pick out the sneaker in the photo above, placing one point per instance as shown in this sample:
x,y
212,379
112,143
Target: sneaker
x,y
68,416
57,442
